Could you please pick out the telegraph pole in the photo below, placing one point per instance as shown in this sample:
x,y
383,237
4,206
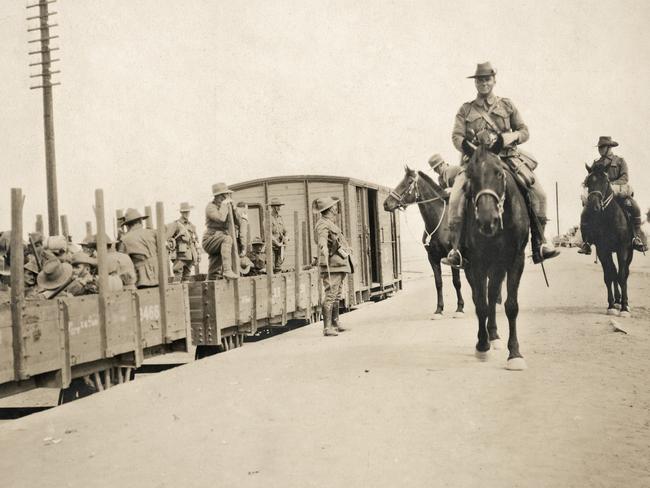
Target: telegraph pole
x,y
42,27
557,209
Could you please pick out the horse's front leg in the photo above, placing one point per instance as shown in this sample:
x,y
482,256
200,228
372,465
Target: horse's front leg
x,y
437,274
609,276
623,273
479,296
494,294
460,303
515,359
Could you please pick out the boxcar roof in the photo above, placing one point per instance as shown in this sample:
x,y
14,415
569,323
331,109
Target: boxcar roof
x,y
294,178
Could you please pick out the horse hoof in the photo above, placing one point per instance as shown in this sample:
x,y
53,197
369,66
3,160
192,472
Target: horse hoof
x,y
481,355
625,314
516,364
496,344
437,316
459,315
612,311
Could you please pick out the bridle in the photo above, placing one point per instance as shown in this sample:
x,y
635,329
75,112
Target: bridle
x,y
604,200
500,199
413,189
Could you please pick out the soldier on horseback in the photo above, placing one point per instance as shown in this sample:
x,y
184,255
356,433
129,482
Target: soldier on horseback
x,y
618,178
495,122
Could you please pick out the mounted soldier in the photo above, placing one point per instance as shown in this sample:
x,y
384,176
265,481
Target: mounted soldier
x,y
278,234
618,175
334,259
182,233
446,172
495,122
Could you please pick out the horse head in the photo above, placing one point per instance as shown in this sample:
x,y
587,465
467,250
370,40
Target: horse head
x,y
599,189
405,193
487,187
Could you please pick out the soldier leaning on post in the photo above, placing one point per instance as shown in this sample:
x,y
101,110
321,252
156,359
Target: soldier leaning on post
x,y
140,244
216,240
278,234
184,253
334,259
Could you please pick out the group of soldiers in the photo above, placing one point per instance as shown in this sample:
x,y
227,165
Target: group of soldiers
x,y
496,122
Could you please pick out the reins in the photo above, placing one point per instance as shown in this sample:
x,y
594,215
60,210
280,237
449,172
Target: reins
x,y
401,205
500,199
604,201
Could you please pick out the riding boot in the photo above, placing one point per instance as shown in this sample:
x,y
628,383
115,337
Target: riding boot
x,y
541,250
335,318
640,241
328,330
585,247
226,260
454,258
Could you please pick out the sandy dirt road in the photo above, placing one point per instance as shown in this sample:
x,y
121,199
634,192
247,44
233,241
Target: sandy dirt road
x,y
398,401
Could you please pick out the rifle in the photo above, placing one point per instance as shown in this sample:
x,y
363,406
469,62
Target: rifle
x,y
36,255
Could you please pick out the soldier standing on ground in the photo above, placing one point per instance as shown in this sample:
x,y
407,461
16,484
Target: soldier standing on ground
x,y
140,244
216,241
183,234
334,259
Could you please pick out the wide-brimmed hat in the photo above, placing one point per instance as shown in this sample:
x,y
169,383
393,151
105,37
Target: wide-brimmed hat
x,y
31,265
185,207
54,274
133,215
324,203
220,188
606,141
83,258
109,241
36,237
257,241
275,202
483,69
435,161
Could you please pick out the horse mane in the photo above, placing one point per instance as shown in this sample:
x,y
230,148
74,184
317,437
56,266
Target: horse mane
x,y
434,186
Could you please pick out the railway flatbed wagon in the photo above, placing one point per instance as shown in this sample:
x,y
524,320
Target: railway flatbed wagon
x,y
373,233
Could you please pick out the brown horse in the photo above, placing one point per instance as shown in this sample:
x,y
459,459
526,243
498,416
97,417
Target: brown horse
x,y
417,187
496,234
612,233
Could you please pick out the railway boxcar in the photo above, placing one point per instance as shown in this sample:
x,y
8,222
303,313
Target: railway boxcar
x,y
374,233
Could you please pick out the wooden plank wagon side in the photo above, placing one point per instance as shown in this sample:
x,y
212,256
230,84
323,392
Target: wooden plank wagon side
x,y
373,233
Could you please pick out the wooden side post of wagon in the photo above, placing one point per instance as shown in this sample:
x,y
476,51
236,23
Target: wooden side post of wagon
x,y
163,267
17,283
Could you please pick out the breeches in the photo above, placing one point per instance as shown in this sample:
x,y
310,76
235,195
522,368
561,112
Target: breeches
x,y
218,246
182,269
332,284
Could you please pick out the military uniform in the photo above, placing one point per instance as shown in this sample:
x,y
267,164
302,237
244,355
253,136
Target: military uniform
x,y
618,176
183,233
140,244
487,120
334,262
123,267
216,240
279,235
257,256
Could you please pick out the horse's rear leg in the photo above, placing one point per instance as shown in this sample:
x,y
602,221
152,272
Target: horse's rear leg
x,y
460,304
437,274
494,293
623,273
515,359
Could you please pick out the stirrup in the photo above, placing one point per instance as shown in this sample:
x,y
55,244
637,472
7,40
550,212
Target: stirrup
x,y
585,249
447,260
638,245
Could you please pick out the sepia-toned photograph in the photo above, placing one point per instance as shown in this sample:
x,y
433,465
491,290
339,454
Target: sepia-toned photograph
x,y
324,243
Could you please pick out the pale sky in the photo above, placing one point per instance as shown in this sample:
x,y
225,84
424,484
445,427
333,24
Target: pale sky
x,y
160,99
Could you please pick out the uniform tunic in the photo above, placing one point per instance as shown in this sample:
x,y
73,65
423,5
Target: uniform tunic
x,y
183,232
140,244
333,266
278,233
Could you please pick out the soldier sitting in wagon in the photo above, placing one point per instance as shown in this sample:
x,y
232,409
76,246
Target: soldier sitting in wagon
x,y
140,244
618,175
29,278
257,256
54,278
84,271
